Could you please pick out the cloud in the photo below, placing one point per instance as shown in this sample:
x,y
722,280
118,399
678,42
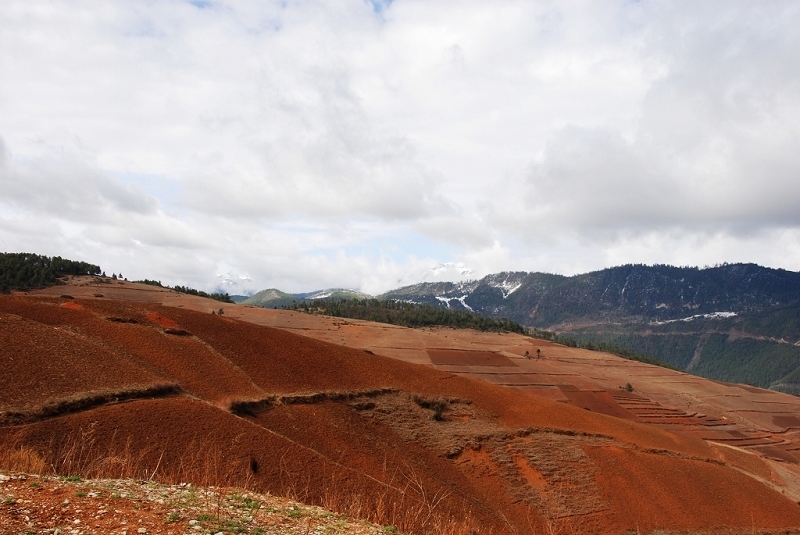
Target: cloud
x,y
456,230
310,144
713,152
595,180
66,187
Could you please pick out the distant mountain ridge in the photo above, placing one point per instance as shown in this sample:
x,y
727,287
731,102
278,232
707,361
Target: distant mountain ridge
x,y
273,298
732,322
624,293
633,293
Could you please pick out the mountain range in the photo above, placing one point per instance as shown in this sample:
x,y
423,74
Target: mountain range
x,y
731,322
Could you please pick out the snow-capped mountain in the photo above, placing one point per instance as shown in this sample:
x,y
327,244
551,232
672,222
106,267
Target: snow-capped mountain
x,y
272,298
334,293
625,293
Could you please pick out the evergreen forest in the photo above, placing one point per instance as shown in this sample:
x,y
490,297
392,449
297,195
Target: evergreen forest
x,y
218,296
404,314
29,271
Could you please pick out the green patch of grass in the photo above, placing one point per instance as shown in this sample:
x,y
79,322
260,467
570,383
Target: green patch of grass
x,y
205,518
80,494
232,526
244,502
390,529
34,484
71,479
172,518
190,497
295,513
9,500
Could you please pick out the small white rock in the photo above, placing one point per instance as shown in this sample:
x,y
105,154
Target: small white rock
x,y
192,522
141,530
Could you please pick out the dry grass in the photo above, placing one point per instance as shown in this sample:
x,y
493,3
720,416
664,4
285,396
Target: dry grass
x,y
80,456
405,502
22,459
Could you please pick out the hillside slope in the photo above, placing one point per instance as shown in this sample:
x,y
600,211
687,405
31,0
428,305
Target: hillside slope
x,y
751,314
277,412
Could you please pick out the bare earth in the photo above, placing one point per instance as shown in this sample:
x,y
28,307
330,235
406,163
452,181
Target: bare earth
x,y
525,445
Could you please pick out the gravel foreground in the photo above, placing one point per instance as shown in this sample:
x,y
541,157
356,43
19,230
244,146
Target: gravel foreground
x,y
31,504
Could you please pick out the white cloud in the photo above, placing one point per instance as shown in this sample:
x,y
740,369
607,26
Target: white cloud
x,y
307,144
68,188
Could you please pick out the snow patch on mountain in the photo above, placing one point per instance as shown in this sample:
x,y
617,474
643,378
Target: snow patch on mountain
x,y
460,268
462,300
507,283
340,293
234,281
506,287
712,315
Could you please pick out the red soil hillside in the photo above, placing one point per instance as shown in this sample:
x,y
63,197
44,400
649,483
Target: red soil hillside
x,y
67,367
430,450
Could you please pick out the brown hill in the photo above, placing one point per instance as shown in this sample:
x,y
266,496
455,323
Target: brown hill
x,y
135,388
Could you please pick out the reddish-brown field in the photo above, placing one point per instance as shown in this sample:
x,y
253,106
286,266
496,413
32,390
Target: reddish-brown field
x,y
477,439
455,357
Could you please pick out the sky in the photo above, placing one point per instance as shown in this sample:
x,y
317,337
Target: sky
x,y
301,145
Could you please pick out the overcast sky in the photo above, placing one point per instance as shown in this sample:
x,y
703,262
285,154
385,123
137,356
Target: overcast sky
x,y
241,145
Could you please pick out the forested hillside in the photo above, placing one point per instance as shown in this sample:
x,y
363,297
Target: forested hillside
x,y
26,271
405,314
624,293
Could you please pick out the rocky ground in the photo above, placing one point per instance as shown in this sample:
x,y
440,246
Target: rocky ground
x,y
31,504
